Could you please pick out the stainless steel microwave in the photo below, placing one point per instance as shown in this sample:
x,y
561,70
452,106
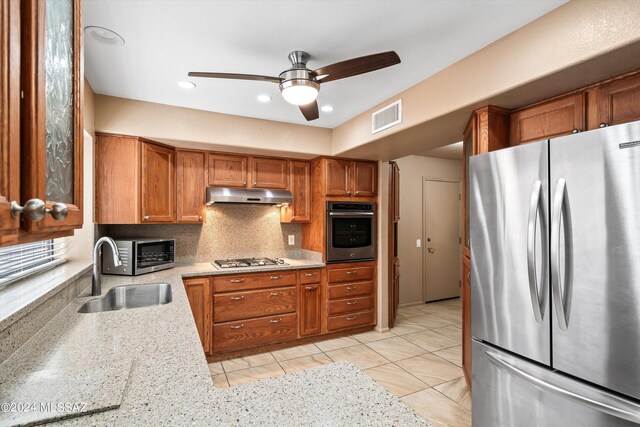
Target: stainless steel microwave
x,y
351,231
139,256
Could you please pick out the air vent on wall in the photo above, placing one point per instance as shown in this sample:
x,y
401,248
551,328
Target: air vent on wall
x,y
389,116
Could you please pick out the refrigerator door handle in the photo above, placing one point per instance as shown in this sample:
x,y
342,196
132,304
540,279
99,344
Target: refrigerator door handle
x,y
594,399
561,214
538,293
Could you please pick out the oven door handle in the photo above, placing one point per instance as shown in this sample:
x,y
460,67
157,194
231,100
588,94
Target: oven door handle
x,y
352,214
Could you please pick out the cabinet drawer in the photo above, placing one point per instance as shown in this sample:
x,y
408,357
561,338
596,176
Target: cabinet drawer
x,y
350,289
350,274
254,332
310,276
239,282
350,305
350,320
244,305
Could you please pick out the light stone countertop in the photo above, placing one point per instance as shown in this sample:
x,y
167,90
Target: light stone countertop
x,y
169,381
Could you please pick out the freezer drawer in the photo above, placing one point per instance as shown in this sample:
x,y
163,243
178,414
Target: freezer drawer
x,y
595,256
510,391
509,250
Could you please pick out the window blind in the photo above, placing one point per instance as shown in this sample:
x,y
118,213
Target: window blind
x,y
20,261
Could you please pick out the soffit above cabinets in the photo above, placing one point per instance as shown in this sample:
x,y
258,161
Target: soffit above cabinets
x,y
164,40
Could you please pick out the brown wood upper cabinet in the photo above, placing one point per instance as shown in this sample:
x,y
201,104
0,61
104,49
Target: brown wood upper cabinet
x,y
619,101
135,181
557,117
300,185
190,183
227,170
41,146
198,291
269,173
349,178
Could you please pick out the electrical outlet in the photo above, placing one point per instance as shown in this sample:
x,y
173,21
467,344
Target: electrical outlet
x,y
292,239
418,243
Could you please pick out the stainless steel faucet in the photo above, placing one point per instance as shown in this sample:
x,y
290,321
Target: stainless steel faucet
x,y
96,283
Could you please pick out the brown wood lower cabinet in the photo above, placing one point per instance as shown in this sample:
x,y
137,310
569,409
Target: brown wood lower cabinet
x,y
248,304
350,320
310,305
199,295
351,301
254,332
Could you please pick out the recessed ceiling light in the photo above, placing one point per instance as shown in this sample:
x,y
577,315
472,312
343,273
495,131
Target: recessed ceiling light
x,y
186,85
264,98
327,108
104,35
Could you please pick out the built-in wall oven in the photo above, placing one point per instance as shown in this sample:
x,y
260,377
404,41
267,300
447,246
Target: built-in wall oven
x,y
351,231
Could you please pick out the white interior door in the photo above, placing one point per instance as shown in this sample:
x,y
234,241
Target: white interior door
x,y
441,240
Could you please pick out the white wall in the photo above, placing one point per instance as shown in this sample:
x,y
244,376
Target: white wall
x,y
80,245
413,170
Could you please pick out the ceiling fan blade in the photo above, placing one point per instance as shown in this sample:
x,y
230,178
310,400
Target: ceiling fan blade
x,y
355,66
310,111
235,76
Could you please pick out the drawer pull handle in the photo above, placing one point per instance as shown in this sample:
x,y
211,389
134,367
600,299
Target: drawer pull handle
x,y
311,274
236,326
275,277
275,294
275,320
351,272
311,287
352,287
237,281
237,298
352,318
352,302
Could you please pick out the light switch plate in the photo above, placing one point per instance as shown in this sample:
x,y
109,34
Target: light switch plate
x,y
292,239
418,243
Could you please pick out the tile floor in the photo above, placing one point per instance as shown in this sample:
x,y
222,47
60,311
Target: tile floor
x,y
419,361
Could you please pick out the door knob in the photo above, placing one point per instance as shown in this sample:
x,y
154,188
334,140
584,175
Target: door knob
x,y
431,250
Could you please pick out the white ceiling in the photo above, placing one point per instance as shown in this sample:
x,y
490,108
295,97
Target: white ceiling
x,y
164,40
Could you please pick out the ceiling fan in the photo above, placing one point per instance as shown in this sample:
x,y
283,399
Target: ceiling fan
x,y
300,85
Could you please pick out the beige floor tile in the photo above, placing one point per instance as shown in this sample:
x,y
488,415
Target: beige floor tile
x,y
430,321
452,354
431,369
372,336
434,307
396,348
450,331
396,380
457,391
406,328
361,355
452,315
430,340
414,310
216,368
247,362
220,381
295,352
306,362
254,374
337,343
437,408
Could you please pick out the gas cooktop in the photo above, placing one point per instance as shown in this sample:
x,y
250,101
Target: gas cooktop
x,y
248,262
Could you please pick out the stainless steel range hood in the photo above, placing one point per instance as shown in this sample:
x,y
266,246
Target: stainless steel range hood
x,y
241,195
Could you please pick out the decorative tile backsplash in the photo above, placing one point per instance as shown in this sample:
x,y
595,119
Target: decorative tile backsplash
x,y
231,231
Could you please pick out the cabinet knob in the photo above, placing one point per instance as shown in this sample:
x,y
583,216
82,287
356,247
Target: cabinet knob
x,y
310,288
293,217
200,218
357,192
244,182
352,318
236,326
348,192
58,211
33,209
575,131
146,217
255,183
603,125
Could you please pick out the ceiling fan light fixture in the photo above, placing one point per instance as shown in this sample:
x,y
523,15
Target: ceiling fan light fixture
x,y
104,35
264,98
327,108
299,91
186,85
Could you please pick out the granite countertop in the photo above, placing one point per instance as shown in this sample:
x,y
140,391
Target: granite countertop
x,y
169,382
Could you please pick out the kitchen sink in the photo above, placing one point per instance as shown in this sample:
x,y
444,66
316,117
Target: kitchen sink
x,y
130,296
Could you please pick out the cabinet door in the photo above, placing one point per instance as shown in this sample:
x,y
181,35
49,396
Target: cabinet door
x,y
191,186
337,177
199,296
301,191
272,174
466,319
51,114
396,191
157,183
619,101
310,309
227,170
9,117
365,177
550,119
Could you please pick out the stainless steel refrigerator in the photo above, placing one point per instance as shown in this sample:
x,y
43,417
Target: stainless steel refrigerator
x,y
555,281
